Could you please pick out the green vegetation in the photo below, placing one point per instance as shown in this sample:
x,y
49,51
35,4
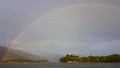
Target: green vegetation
x,y
77,59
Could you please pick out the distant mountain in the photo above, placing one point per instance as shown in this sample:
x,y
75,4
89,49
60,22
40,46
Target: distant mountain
x,y
2,51
53,57
17,54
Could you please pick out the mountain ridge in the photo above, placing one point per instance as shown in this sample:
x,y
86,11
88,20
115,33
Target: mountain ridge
x,y
15,54
9,54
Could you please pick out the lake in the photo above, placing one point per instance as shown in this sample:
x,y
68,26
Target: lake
x,y
62,65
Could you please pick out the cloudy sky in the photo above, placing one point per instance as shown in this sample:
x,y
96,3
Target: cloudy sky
x,y
81,27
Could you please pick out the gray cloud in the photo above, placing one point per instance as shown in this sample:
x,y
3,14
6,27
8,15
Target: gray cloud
x,y
76,30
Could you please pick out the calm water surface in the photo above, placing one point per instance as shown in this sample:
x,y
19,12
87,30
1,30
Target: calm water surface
x,y
62,65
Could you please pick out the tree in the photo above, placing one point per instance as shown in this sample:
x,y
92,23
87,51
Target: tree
x,y
74,58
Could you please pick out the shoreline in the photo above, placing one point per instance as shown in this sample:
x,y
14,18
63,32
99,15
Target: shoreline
x,y
63,63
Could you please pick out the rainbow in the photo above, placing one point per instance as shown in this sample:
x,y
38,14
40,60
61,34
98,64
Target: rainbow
x,y
41,18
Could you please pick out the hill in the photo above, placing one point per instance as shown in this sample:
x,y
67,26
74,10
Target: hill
x,y
13,54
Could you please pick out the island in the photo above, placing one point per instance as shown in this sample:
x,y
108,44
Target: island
x,y
69,58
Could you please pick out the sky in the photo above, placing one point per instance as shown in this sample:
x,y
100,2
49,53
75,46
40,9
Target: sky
x,y
81,27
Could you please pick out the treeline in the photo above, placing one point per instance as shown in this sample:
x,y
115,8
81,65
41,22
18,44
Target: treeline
x,y
74,58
